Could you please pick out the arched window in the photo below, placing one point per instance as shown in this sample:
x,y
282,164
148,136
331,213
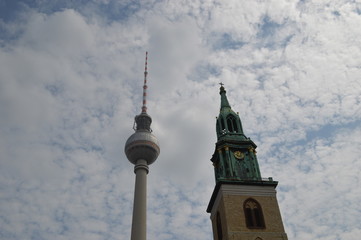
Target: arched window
x,y
253,214
219,227
232,123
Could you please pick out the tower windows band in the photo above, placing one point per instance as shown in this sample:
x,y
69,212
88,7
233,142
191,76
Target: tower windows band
x,y
253,214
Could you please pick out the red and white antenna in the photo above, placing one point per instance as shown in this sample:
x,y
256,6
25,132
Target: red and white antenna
x,y
144,107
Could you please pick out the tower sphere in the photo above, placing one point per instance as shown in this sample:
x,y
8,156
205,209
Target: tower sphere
x,y
142,145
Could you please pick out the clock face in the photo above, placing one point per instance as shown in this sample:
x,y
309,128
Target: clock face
x,y
239,155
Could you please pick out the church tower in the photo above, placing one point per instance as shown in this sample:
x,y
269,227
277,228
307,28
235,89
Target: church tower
x,y
243,205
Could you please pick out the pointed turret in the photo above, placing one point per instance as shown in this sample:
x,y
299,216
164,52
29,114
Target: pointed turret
x,y
235,157
228,124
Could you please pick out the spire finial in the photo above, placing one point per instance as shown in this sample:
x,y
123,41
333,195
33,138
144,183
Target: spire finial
x,y
224,100
221,88
144,107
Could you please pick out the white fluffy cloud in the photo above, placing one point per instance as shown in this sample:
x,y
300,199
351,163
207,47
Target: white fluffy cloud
x,y
70,85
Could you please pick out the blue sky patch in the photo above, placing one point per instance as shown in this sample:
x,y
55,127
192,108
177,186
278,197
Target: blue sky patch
x,y
226,41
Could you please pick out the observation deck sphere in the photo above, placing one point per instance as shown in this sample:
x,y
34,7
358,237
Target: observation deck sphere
x,y
142,145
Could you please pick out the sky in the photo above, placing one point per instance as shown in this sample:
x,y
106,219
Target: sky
x,y
71,75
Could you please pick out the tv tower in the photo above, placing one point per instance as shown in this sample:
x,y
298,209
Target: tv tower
x,y
142,149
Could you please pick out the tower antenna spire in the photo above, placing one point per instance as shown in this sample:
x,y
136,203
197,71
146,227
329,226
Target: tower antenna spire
x,y
144,107
142,149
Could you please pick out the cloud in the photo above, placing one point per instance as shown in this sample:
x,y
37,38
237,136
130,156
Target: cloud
x,y
70,86
66,30
323,163
175,49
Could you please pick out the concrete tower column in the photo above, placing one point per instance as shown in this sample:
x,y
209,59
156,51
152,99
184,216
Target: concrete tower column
x,y
139,223
142,149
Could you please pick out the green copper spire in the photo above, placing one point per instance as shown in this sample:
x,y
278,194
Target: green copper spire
x,y
229,124
224,100
234,158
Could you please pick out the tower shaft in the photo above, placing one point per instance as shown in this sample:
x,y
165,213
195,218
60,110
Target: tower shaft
x,y
139,222
142,149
